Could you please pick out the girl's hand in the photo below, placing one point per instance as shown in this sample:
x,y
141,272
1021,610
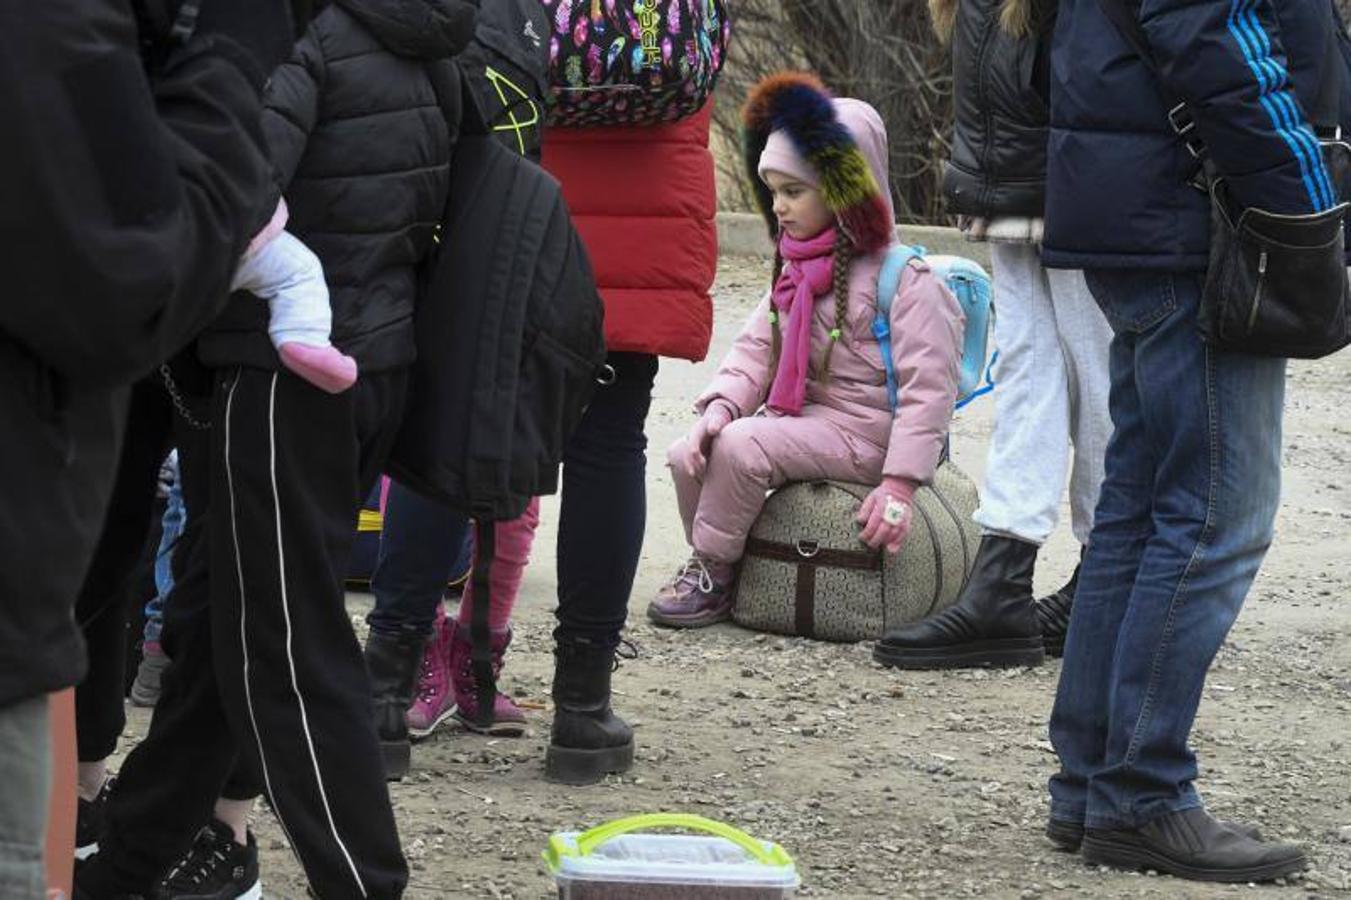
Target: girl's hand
x,y
886,514
717,416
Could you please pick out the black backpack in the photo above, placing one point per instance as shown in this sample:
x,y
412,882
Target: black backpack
x,y
507,68
510,344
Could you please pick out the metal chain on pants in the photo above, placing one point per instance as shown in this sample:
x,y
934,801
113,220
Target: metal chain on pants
x,y
180,403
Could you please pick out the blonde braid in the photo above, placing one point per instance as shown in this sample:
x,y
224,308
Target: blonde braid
x,y
844,255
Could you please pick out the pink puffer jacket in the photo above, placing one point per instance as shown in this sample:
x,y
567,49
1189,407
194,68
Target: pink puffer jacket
x,y
926,340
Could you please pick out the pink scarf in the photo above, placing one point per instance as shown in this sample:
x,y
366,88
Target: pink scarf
x,y
807,274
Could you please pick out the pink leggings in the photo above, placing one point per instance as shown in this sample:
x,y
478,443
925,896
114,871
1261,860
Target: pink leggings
x,y
513,542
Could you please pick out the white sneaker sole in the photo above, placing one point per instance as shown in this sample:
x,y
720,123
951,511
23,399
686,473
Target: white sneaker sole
x,y
253,893
422,733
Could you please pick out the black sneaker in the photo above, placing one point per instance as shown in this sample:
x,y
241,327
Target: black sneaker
x,y
89,821
215,868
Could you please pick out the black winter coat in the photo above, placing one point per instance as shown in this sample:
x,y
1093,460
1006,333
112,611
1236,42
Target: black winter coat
x,y
1000,84
1256,75
362,151
122,210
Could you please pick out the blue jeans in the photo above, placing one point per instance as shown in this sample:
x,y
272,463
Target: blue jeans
x,y
171,530
422,546
1184,519
26,773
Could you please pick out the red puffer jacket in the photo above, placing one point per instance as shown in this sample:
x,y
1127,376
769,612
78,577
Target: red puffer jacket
x,y
644,202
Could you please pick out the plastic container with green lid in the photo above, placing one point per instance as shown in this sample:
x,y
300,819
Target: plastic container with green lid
x,y
614,861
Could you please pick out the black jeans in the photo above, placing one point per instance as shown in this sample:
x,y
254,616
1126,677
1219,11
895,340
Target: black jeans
x,y
604,505
600,531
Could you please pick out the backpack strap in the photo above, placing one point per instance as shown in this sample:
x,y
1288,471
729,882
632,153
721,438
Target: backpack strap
x,y
480,638
888,283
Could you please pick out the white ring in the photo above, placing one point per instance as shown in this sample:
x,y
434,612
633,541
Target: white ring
x,y
894,512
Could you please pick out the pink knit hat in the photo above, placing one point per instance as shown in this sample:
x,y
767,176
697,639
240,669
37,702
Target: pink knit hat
x,y
781,156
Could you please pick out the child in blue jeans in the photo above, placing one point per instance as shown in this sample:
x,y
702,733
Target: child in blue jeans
x,y
145,689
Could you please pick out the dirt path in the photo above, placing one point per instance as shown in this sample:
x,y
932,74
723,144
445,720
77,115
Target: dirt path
x,y
902,785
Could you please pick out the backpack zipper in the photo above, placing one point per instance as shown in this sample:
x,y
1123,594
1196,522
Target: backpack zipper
x,y
1257,292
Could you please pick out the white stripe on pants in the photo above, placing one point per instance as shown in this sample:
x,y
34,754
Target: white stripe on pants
x,y
1051,391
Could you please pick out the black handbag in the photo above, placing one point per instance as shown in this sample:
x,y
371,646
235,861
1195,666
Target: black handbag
x,y
1276,285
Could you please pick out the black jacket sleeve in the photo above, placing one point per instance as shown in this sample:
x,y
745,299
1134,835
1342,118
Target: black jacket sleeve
x,y
291,105
123,206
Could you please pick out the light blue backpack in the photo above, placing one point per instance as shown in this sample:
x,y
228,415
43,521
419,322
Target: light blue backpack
x,y
970,284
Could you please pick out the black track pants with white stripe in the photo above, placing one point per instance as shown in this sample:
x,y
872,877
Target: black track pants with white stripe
x,y
266,669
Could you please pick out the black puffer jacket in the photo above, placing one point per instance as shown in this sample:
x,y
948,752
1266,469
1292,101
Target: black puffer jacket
x,y
362,152
1000,86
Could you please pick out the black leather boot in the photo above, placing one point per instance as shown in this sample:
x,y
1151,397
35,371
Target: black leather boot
x,y
1053,612
1190,844
1068,836
993,622
392,664
588,740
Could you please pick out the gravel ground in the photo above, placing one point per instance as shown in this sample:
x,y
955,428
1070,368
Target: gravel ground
x,y
884,784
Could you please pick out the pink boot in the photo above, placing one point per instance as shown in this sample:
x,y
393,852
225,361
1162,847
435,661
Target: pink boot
x,y
700,594
326,367
433,703
508,718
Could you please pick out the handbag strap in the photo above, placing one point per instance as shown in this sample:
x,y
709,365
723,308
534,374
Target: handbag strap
x,y
1125,16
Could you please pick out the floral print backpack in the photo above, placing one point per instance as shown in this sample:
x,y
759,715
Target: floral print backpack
x,y
633,62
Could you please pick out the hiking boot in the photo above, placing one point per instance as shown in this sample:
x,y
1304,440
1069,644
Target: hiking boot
x,y
700,594
1053,614
588,741
89,821
392,664
145,689
1068,836
1190,844
433,702
215,868
993,622
508,718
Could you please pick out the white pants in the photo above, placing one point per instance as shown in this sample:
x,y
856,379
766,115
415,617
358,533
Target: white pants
x,y
1051,386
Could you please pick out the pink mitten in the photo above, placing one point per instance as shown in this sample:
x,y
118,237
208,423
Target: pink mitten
x,y
886,514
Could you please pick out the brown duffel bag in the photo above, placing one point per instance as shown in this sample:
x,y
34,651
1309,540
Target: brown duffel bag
x,y
806,573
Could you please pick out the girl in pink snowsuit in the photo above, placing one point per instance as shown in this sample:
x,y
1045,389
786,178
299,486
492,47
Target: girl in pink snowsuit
x,y
802,393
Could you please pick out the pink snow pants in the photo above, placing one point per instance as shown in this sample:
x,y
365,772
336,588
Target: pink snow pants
x,y
512,544
757,453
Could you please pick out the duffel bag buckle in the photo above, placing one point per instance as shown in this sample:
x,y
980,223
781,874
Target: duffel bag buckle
x,y
807,548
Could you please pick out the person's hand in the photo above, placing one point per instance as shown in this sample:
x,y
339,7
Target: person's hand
x,y
886,514
694,460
